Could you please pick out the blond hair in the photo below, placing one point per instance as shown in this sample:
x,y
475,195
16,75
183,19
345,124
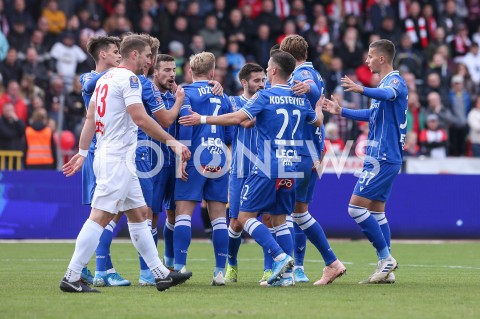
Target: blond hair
x,y
154,43
202,63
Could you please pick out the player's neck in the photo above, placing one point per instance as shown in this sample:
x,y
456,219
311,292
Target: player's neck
x,y
299,62
278,80
200,78
101,68
128,65
387,69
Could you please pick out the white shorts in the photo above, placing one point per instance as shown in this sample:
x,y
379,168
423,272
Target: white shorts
x,y
118,188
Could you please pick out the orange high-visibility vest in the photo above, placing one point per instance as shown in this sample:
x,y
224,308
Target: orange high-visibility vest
x,y
39,151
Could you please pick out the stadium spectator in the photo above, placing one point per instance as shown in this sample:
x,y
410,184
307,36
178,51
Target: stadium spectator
x,y
4,46
346,129
411,148
213,37
12,129
450,20
268,17
472,62
235,59
19,13
334,75
34,68
75,106
333,139
177,50
119,11
471,87
415,114
182,34
434,84
94,27
433,44
195,20
474,125
389,30
409,57
289,28
29,90
261,46
378,12
68,55
350,50
220,12
238,29
18,36
416,27
40,145
460,101
461,42
57,21
4,24
12,96
435,106
433,140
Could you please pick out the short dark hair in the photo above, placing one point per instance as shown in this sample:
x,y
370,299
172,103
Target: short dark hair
x,y
132,42
385,47
285,62
97,44
274,48
247,70
165,58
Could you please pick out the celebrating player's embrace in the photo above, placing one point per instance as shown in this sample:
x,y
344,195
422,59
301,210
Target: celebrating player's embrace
x,y
136,162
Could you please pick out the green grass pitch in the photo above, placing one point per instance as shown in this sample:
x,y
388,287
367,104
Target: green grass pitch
x,y
434,280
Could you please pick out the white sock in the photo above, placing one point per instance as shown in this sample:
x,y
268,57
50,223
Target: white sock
x,y
280,257
85,245
297,267
143,241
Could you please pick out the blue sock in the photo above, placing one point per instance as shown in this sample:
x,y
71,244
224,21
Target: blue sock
x,y
284,238
267,259
143,264
182,236
291,230
155,235
383,222
220,242
234,241
300,245
312,229
263,237
370,228
168,237
103,249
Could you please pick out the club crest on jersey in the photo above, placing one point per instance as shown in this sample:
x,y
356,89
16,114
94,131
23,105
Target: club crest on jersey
x,y
134,82
306,75
395,83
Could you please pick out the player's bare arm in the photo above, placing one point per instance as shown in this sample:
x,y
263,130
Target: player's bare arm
x,y
167,117
151,128
351,86
88,131
224,119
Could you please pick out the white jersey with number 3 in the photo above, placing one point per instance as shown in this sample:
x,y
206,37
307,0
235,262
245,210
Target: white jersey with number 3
x,y
115,130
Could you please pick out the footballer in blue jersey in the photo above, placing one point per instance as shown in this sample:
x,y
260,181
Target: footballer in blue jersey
x,y
387,122
280,115
244,151
305,79
105,51
207,171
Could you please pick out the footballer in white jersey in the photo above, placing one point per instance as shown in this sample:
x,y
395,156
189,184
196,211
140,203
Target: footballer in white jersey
x,y
114,127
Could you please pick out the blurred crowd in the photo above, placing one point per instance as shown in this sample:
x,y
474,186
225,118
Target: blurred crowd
x,y
42,53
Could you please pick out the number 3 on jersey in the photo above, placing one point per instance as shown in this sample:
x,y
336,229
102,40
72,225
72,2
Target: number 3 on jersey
x,y
101,104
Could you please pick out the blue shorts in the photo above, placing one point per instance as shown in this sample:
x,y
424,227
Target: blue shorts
x,y
199,186
164,189
146,183
376,184
304,186
261,194
88,179
234,192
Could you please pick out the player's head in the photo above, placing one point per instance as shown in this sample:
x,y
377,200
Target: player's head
x,y
105,49
281,65
251,76
275,47
137,50
164,72
380,53
203,65
296,46
155,45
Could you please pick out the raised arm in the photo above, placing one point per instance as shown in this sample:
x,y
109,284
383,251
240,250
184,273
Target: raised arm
x,y
381,94
167,117
332,107
223,120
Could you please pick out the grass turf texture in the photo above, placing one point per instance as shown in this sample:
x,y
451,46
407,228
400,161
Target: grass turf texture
x,y
433,281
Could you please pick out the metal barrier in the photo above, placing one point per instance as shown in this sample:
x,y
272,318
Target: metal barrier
x,y
11,157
